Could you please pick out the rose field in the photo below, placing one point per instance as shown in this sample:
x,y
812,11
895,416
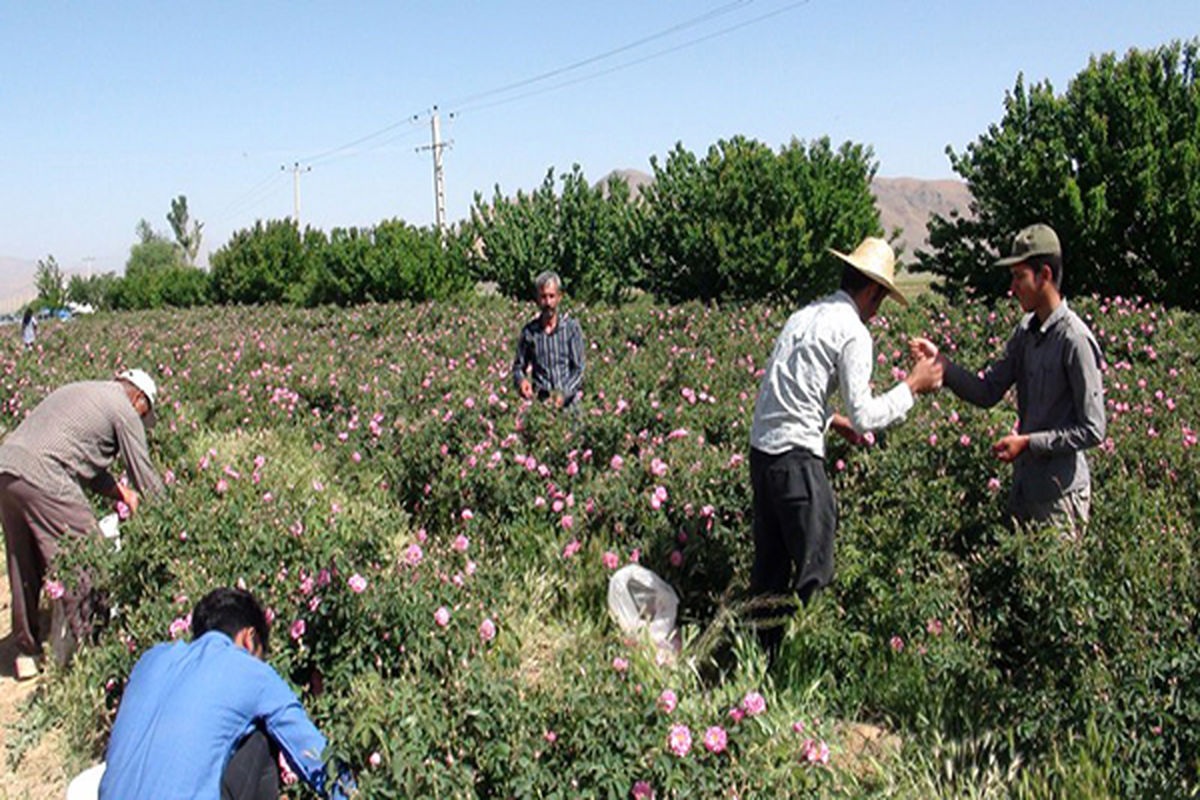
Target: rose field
x,y
435,555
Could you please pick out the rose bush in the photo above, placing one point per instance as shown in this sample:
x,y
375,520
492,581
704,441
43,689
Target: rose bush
x,y
435,552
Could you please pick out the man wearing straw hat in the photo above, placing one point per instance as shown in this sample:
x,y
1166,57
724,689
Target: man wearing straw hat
x,y
65,443
1055,362
824,347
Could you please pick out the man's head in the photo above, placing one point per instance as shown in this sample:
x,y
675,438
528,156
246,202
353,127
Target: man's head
x,y
142,393
235,613
1035,264
547,291
869,275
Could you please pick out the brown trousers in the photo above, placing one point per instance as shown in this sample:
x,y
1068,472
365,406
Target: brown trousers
x,y
34,526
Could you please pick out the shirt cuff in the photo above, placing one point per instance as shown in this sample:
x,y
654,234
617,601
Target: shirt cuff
x,y
1039,442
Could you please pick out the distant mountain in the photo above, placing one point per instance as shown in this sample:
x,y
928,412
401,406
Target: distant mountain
x,y
904,203
16,283
908,203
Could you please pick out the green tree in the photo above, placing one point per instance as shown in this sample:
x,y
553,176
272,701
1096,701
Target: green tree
x,y
1113,164
589,235
51,286
745,223
96,291
263,264
188,238
156,275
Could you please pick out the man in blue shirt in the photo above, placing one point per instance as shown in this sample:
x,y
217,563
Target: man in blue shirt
x,y
194,718
550,358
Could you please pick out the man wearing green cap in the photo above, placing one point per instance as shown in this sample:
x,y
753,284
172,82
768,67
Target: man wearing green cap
x,y
1055,363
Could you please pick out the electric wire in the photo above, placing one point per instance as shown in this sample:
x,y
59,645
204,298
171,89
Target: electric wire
x,y
634,62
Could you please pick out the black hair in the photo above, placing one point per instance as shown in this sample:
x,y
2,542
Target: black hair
x,y
853,281
28,316
230,610
1054,262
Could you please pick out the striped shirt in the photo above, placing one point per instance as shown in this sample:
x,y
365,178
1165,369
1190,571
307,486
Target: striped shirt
x,y
71,438
555,358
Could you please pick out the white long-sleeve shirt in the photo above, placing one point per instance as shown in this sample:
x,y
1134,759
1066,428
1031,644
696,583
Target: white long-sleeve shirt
x,y
823,348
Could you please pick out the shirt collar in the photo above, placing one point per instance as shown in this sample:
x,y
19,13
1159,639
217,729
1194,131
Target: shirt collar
x,y
1056,316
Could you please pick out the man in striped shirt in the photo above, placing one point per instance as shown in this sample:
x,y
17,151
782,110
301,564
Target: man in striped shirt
x,y
550,360
65,443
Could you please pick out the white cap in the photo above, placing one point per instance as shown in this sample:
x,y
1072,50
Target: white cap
x,y
145,384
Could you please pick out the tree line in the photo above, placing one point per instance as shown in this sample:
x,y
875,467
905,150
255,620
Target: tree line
x,y
1113,163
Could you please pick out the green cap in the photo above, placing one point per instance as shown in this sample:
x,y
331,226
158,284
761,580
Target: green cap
x,y
1036,240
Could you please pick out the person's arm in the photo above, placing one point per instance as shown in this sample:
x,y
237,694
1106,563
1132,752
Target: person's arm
x,y
290,728
868,413
521,364
1087,394
984,392
575,360
131,440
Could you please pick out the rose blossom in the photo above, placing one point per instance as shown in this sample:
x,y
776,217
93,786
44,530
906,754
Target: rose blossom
x,y
679,740
754,704
487,631
358,584
715,739
442,616
667,701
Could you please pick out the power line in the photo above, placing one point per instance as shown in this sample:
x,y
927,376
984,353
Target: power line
x,y
688,23
637,61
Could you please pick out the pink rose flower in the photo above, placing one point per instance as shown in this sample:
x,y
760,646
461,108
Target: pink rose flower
x,y
297,630
667,701
679,740
442,616
620,664
55,590
413,555
754,704
358,584
642,790
461,543
487,631
610,559
715,739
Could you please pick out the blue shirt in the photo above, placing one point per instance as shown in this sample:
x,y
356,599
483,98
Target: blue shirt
x,y
556,358
185,709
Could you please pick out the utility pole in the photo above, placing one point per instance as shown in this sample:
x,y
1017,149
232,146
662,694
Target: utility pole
x,y
296,170
439,176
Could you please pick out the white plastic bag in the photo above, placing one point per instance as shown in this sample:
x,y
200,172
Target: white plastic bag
x,y
638,599
86,785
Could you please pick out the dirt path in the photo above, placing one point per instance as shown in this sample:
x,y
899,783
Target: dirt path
x,y
40,774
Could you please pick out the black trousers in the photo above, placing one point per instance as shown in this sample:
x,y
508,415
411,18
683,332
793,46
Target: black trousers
x,y
795,520
253,771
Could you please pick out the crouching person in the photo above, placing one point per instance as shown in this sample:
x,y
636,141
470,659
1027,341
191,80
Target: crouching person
x,y
204,719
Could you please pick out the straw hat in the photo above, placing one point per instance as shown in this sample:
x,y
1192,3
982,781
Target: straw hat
x,y
874,258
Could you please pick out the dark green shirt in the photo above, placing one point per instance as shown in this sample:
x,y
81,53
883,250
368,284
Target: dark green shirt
x,y
1060,400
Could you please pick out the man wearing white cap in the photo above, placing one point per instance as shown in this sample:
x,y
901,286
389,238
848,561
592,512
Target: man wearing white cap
x,y
65,443
824,347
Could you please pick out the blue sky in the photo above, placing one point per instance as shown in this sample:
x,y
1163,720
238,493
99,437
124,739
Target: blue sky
x,y
111,109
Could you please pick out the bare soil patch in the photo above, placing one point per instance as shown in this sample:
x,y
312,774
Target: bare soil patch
x,y
40,774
